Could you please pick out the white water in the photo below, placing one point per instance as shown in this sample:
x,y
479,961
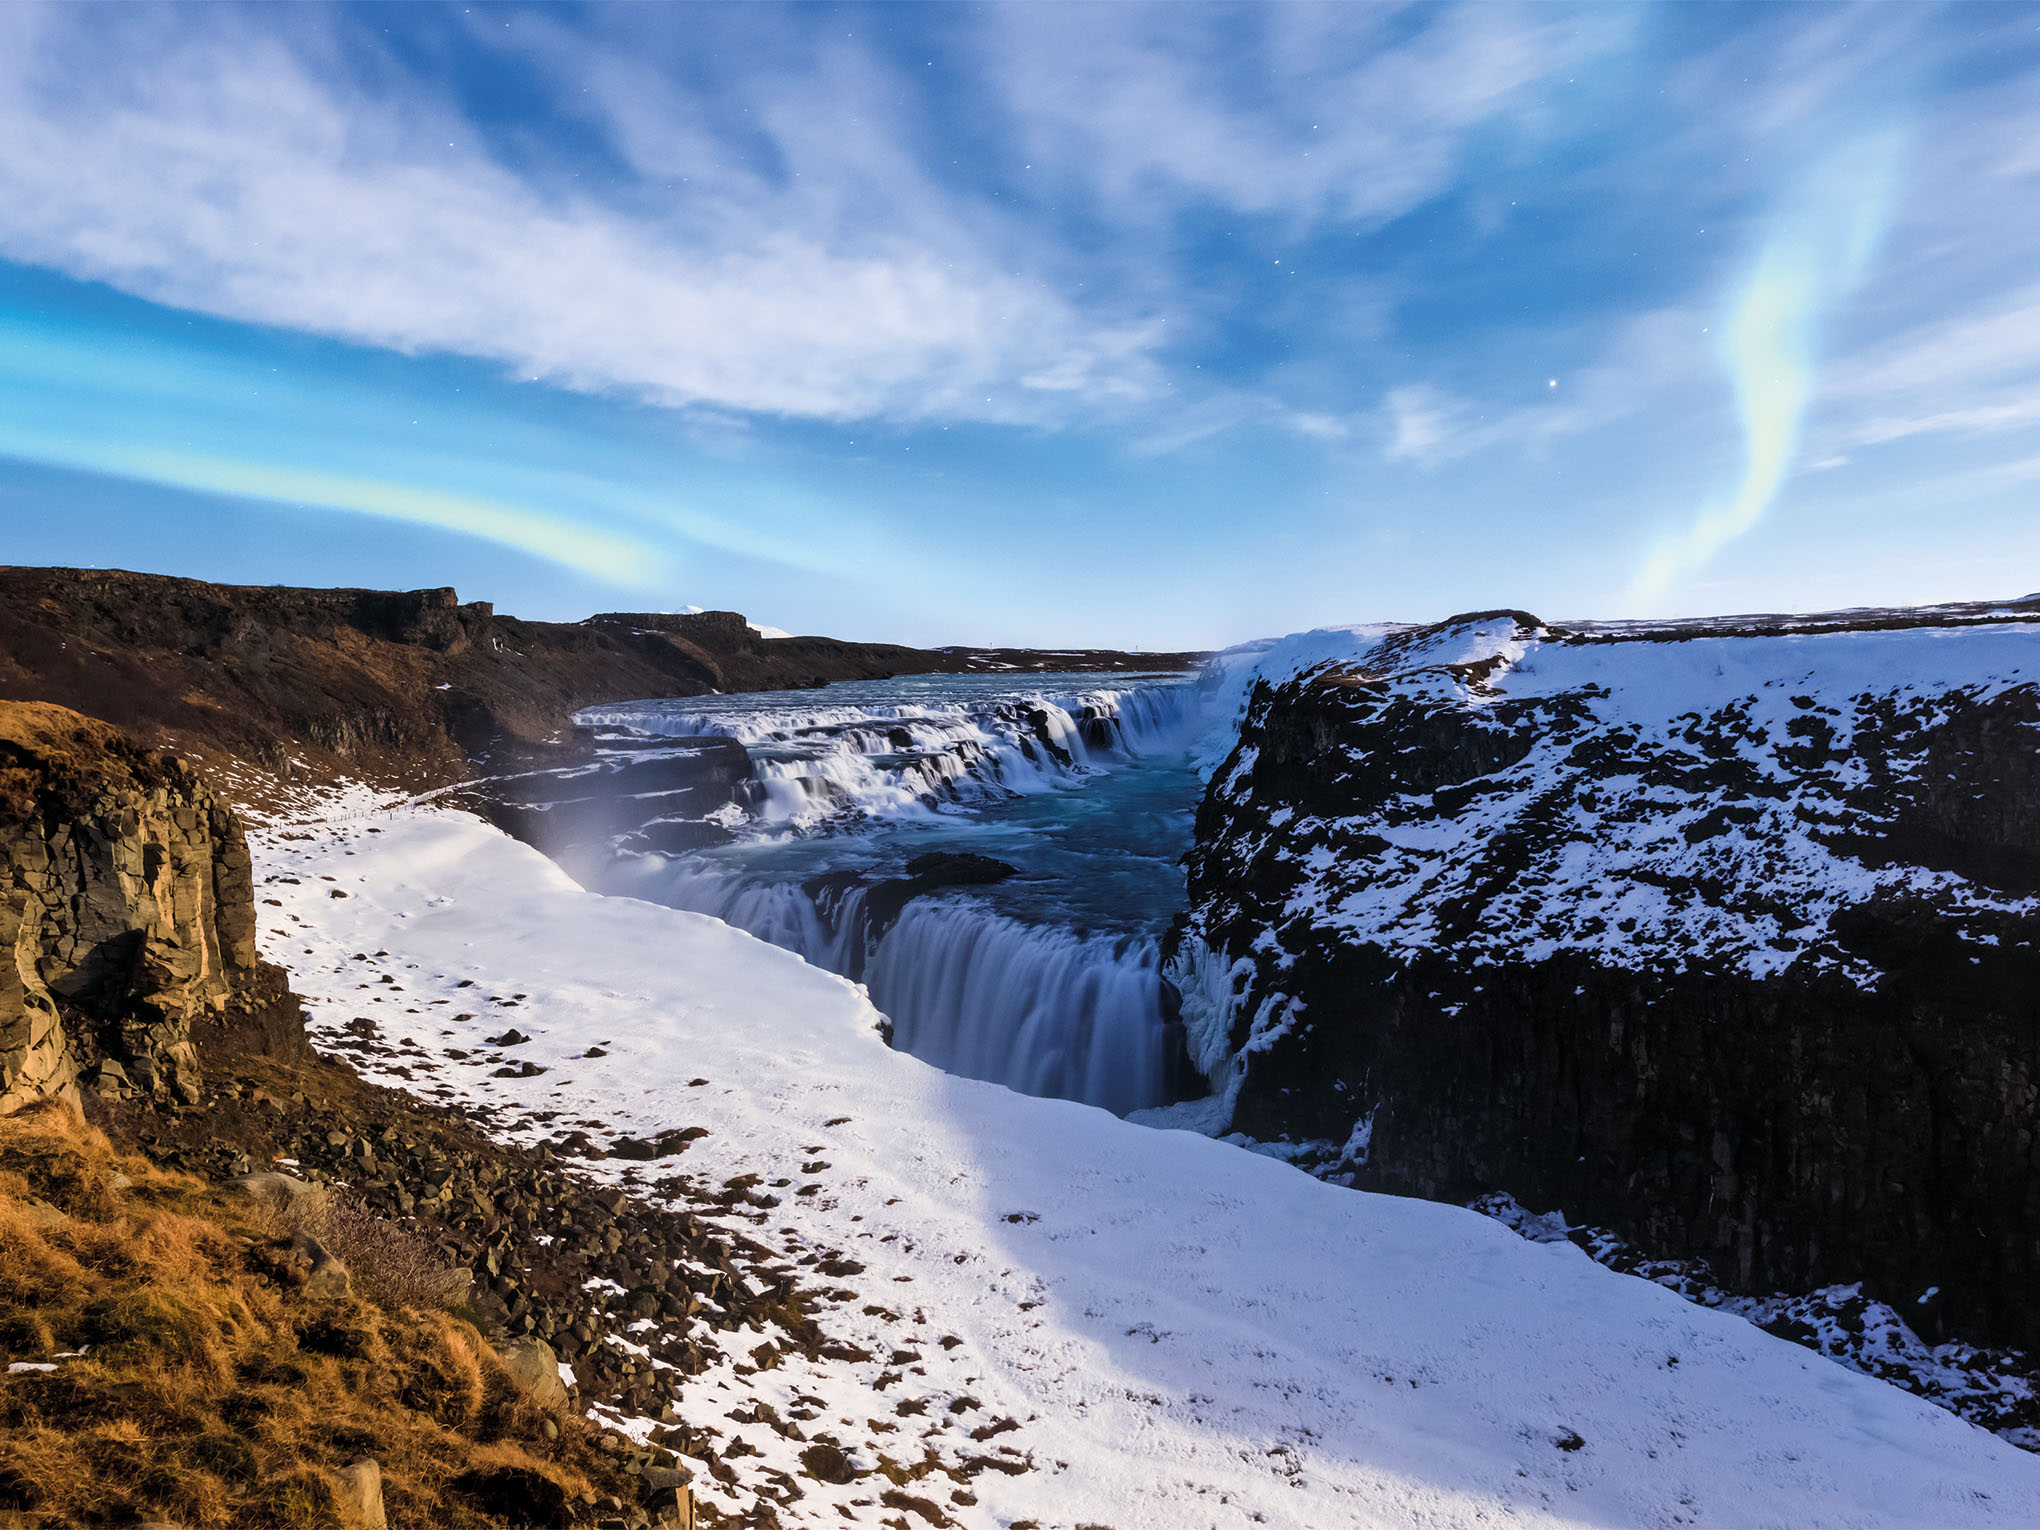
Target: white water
x,y
1049,982
1044,1011
870,751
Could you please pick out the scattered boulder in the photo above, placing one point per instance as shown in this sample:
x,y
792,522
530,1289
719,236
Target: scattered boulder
x,y
825,1463
533,1365
361,1492
280,1192
327,1279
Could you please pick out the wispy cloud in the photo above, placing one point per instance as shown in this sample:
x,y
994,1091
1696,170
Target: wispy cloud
x,y
217,172
813,261
1949,342
2001,344
1637,362
1978,420
1306,112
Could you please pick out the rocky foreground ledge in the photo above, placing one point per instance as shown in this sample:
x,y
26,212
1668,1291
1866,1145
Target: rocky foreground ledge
x,y
256,1352
133,991
442,1324
126,914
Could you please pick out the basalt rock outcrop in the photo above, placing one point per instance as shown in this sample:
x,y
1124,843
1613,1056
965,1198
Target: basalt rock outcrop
x,y
885,898
1724,936
127,916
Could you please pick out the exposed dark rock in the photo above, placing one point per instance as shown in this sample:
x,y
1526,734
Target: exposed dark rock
x,y
944,868
826,1463
127,916
515,1495
926,874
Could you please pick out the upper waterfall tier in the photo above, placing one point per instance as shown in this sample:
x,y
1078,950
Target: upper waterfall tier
x,y
884,748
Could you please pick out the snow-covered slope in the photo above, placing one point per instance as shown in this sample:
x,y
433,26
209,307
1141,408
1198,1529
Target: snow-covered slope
x,y
1722,933
1185,1334
1670,800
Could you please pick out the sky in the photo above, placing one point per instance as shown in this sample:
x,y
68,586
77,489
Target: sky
x,y
1160,326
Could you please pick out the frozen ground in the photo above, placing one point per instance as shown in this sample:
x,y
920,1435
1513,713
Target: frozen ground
x,y
1185,1334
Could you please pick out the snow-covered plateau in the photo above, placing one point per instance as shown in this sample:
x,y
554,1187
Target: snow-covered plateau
x,y
1084,1321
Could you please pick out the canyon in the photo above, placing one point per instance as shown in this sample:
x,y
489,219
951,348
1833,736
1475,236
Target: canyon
x,y
1712,943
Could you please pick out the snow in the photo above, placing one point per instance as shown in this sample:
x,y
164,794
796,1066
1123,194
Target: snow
x,y
1715,846
1185,1334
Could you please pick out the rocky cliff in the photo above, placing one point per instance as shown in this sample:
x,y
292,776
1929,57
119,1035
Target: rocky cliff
x,y
1720,935
126,914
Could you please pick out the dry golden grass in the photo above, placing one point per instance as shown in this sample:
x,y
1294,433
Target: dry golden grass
x,y
192,1382
389,1266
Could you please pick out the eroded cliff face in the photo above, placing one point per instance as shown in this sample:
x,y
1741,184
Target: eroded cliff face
x,y
1721,937
126,912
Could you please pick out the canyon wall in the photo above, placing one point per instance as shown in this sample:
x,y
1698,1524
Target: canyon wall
x,y
1720,936
126,914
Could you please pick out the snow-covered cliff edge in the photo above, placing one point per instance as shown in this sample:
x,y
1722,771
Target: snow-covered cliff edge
x,y
1719,934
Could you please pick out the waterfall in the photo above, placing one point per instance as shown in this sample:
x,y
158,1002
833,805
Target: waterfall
x,y
1044,1011
783,914
1039,1009
1037,1006
820,761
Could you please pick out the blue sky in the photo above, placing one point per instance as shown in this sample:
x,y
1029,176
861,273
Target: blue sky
x,y
1159,326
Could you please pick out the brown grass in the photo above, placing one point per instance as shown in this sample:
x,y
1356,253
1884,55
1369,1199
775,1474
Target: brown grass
x,y
50,753
209,1391
389,1265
